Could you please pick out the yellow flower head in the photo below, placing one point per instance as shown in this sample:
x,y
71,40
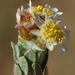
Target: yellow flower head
x,y
38,10
51,33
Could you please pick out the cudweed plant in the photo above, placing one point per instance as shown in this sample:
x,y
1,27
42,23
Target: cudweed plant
x,y
39,31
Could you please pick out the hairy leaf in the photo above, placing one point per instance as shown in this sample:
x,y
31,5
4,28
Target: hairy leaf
x,y
17,70
23,64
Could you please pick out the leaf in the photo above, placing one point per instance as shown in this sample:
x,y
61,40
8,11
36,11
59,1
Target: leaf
x,y
23,64
31,45
43,58
17,70
35,47
16,51
22,50
30,54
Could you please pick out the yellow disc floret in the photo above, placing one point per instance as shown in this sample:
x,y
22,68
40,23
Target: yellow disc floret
x,y
47,11
38,10
50,23
51,33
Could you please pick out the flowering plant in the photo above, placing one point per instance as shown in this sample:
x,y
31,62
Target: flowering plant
x,y
39,31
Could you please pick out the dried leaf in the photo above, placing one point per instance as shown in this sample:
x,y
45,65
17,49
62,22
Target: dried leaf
x,y
46,71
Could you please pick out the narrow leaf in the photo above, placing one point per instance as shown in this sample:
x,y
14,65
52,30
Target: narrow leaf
x,y
17,70
23,64
14,51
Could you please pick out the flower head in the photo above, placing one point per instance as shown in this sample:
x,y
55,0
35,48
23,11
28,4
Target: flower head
x,y
51,33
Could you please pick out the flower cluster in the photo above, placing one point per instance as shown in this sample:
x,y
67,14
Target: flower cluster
x,y
40,22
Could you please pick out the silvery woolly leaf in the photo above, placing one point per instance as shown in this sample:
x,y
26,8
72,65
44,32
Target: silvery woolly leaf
x,y
30,55
13,47
29,44
35,47
25,44
23,65
22,42
15,54
22,50
17,70
17,51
